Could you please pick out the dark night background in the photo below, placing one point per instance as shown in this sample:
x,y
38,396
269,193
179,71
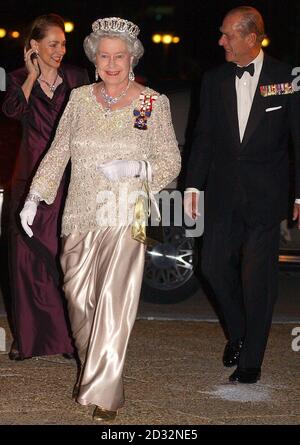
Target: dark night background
x,y
163,67
195,22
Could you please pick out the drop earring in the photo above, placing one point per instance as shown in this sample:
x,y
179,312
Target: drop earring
x,y
131,75
96,74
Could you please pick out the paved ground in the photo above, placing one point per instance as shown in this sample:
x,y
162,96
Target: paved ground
x,y
173,372
173,376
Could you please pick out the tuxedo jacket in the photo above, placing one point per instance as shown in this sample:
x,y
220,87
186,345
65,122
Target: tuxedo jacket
x,y
256,168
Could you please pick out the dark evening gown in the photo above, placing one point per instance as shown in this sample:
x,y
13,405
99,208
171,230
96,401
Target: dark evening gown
x,y
40,325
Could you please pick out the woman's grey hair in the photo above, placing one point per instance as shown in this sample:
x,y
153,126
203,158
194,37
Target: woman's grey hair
x,y
251,21
91,43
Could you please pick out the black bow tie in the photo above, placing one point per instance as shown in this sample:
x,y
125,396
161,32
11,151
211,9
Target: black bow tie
x,y
241,69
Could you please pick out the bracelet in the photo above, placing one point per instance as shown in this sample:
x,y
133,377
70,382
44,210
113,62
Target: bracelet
x,y
33,197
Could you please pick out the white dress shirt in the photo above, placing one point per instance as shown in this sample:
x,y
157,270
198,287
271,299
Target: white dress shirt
x,y
245,90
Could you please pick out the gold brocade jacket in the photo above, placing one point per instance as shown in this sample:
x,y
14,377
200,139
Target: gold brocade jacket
x,y
88,137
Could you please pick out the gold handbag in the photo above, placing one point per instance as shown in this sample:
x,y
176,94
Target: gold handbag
x,y
142,230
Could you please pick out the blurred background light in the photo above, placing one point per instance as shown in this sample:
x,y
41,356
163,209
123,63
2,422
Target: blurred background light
x,y
265,42
69,26
2,33
156,38
167,39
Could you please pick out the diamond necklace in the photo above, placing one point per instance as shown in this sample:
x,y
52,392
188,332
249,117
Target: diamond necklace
x,y
52,86
112,100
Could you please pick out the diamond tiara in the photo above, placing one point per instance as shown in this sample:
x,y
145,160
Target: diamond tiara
x,y
116,24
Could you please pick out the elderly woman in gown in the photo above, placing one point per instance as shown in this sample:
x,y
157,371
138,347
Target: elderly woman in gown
x,y
106,134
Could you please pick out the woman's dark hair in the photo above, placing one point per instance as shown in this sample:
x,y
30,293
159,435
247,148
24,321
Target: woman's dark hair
x,y
40,26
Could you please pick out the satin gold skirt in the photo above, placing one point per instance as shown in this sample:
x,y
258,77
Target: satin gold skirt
x,y
103,273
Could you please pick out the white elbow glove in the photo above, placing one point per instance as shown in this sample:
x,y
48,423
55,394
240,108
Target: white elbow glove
x,y
28,212
116,170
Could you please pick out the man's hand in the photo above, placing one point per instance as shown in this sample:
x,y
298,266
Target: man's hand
x,y
190,204
296,214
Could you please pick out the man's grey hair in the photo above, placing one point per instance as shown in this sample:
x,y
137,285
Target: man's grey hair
x,y
251,21
91,43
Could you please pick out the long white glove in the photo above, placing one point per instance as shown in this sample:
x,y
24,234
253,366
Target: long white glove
x,y
28,212
114,170
191,204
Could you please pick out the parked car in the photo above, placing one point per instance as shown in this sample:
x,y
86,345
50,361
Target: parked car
x,y
169,274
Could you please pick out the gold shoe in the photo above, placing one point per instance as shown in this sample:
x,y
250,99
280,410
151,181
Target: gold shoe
x,y
104,414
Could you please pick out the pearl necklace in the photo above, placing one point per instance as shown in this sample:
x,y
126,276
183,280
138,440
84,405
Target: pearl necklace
x,y
52,86
112,100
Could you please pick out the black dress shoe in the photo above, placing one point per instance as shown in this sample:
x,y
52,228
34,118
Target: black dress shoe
x,y
232,352
245,375
68,355
15,355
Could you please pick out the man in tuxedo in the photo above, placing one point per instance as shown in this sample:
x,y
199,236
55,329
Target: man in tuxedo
x,y
248,109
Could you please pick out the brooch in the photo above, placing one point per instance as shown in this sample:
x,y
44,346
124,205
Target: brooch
x,y
144,112
276,89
